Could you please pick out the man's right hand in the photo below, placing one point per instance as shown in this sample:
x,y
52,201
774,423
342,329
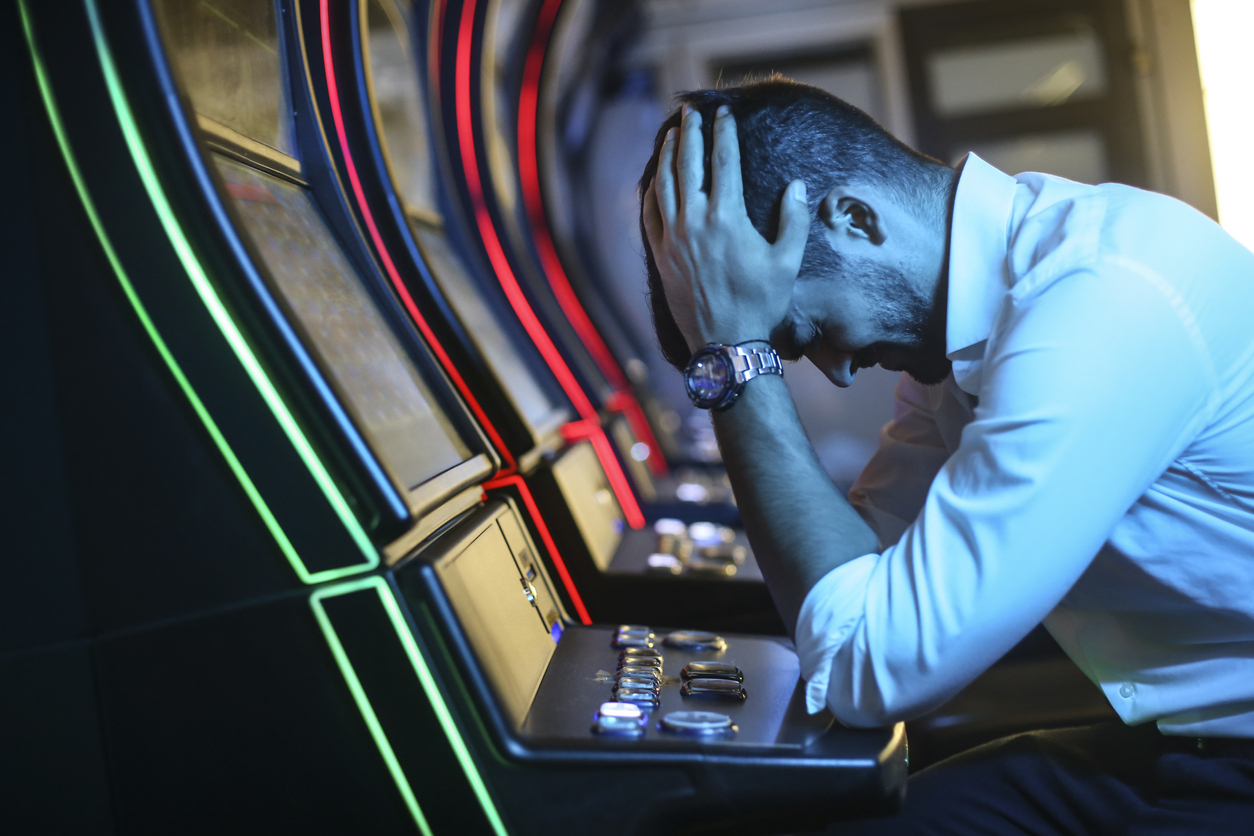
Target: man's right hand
x,y
723,281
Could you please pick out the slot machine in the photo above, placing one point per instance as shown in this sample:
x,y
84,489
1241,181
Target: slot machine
x,y
384,145
299,609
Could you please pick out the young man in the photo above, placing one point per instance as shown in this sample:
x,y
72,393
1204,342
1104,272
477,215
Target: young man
x,y
1072,442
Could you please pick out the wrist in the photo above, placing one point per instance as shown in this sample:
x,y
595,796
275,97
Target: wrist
x,y
718,372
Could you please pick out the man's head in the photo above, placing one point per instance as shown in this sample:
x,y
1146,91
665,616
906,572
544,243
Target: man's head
x,y
867,290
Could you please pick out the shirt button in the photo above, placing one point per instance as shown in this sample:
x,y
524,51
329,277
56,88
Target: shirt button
x,y
1125,690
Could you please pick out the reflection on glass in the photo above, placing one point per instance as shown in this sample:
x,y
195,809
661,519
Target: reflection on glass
x,y
493,343
1076,155
1029,72
499,112
398,102
391,404
229,56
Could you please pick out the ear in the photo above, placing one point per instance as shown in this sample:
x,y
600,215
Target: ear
x,y
850,213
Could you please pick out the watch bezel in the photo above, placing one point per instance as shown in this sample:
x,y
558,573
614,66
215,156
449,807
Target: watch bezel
x,y
731,389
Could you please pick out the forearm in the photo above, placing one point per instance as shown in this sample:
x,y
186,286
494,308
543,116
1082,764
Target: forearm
x,y
801,527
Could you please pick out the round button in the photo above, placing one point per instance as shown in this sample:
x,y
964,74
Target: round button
x,y
699,722
1126,690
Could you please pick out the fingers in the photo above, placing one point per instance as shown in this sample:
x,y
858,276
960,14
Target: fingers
x,y
726,191
794,225
653,229
690,170
663,186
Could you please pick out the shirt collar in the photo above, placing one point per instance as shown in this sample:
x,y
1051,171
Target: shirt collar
x,y
978,272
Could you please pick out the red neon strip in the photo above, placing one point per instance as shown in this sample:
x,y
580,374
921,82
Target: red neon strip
x,y
533,197
528,168
581,430
505,275
390,266
547,539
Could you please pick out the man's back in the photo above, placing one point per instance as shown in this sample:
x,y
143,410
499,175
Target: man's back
x,y
1160,616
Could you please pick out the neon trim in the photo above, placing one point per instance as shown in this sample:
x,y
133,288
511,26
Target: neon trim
x,y
226,325
429,686
385,256
528,169
509,282
363,701
533,197
546,538
58,129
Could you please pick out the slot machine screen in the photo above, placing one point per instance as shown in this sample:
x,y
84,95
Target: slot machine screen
x,y
229,57
398,101
376,378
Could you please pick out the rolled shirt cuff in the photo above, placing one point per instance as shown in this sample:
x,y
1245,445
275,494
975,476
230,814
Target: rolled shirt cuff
x,y
831,610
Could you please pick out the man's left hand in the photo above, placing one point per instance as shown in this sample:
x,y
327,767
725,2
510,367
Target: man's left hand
x,y
724,282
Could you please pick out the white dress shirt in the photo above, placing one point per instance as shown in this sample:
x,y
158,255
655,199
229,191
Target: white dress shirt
x,y
1089,463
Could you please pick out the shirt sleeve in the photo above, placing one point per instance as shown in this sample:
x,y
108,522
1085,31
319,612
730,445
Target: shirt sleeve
x,y
1091,389
890,490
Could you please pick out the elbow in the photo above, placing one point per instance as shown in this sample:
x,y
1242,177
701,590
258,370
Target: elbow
x,y
870,693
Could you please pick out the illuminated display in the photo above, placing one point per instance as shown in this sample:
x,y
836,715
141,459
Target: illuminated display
x,y
380,385
229,57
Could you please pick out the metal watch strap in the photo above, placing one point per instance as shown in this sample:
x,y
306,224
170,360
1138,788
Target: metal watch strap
x,y
750,362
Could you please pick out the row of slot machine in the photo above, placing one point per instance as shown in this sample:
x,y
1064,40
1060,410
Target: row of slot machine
x,y
369,530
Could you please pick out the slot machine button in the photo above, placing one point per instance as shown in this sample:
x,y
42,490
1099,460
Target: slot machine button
x,y
619,719
654,662
640,670
665,564
623,641
635,681
695,640
697,723
639,696
712,670
719,689
670,527
640,653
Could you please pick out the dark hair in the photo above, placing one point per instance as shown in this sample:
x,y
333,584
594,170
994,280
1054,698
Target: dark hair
x,y
788,131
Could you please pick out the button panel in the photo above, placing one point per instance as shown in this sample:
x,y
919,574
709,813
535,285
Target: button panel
x,y
639,680
702,548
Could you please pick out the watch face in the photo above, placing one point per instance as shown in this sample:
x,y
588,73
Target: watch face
x,y
708,377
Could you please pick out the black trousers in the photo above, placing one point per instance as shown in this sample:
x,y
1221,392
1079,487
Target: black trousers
x,y
1109,779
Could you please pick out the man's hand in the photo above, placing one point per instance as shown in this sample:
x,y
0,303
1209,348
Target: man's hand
x,y
723,281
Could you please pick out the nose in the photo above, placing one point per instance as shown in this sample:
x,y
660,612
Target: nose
x,y
836,365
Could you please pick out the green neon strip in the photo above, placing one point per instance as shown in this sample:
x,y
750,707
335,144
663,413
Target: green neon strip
x,y
54,116
429,685
218,311
363,701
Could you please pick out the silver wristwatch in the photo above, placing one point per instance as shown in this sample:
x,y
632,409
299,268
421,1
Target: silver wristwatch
x,y
717,373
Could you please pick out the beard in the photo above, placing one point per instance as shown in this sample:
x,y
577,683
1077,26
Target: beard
x,y
915,324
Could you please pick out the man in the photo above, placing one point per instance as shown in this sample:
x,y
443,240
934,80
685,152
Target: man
x,y
1071,443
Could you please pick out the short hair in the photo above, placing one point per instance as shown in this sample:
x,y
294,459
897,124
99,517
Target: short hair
x,y
787,131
